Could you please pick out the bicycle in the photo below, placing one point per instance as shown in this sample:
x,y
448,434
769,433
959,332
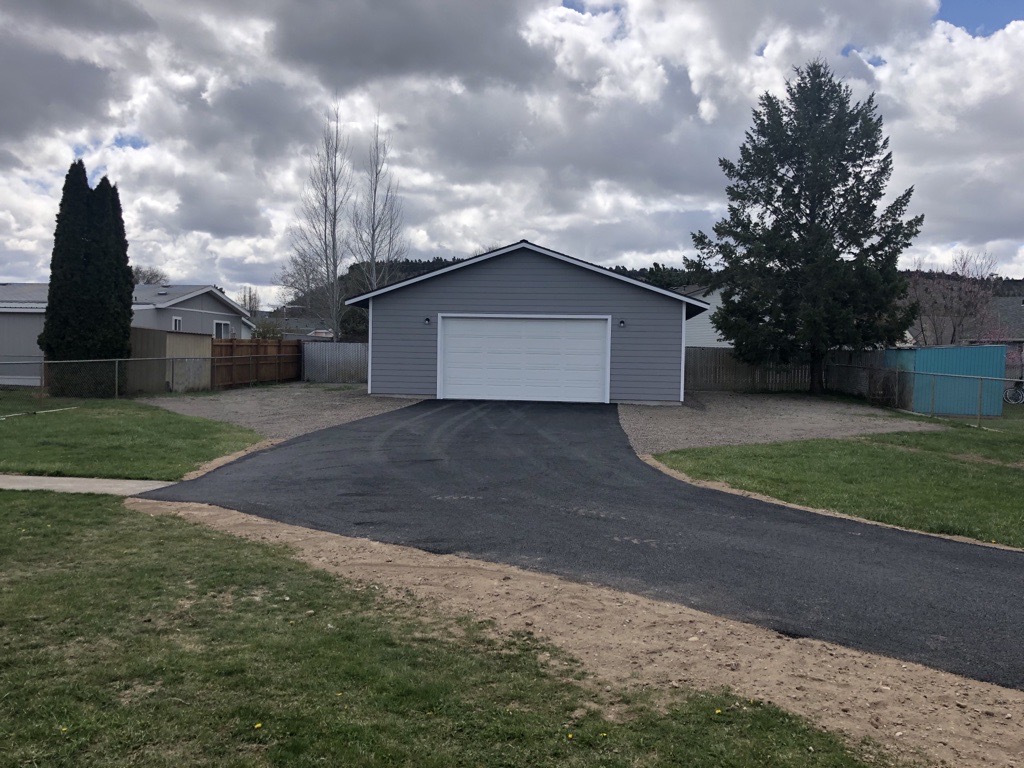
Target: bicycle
x,y
1014,395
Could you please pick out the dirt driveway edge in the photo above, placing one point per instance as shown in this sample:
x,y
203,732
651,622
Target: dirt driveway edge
x,y
630,640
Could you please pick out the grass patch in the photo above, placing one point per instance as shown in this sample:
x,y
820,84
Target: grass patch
x,y
128,640
962,481
110,438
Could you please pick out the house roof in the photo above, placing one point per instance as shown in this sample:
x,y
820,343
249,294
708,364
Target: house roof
x,y
363,299
1006,321
693,290
31,297
23,295
158,296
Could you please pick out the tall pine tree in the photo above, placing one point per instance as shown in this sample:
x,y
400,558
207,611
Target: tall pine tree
x,y
808,262
89,304
60,337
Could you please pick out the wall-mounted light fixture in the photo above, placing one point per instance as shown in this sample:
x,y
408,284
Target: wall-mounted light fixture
x,y
622,323
426,321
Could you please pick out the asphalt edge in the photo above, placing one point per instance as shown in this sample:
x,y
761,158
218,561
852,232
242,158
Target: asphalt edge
x,y
726,488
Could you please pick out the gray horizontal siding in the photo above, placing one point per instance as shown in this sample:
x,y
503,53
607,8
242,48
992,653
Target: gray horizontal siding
x,y
645,354
197,314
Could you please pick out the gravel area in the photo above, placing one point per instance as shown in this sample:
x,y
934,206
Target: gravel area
x,y
283,411
727,418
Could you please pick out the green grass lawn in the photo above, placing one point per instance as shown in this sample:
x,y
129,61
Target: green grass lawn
x,y
127,639
109,438
963,480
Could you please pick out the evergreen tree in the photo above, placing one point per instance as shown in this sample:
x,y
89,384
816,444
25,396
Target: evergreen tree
x,y
109,283
89,304
61,325
808,263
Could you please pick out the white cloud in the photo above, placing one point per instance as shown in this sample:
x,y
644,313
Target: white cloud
x,y
595,132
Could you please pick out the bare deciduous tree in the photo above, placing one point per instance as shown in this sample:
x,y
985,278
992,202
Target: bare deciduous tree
x,y
142,275
377,219
319,238
954,300
249,299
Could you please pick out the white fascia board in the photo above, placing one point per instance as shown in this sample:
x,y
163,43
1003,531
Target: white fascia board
x,y
22,307
682,362
536,249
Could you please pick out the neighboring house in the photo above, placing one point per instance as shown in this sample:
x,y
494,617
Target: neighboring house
x,y
297,326
188,308
699,331
1004,325
527,323
1004,322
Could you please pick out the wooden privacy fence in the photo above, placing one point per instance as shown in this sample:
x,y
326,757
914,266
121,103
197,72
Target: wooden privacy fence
x,y
715,369
244,362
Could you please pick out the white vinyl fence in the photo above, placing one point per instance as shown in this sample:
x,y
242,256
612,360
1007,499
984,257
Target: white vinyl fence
x,y
327,362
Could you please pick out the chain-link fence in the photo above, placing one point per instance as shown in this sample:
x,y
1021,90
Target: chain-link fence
x,y
935,394
32,384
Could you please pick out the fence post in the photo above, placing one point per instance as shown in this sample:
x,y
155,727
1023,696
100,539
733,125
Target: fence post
x,y
172,373
116,382
981,390
250,367
933,396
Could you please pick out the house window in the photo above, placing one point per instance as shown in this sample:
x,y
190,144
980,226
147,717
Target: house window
x,y
221,330
175,323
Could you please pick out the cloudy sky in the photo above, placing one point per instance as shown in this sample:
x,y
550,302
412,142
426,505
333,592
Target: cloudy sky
x,y
592,128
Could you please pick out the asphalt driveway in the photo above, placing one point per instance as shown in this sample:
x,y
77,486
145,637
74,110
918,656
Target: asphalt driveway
x,y
556,488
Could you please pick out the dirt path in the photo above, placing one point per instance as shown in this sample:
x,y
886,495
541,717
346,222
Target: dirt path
x,y
625,639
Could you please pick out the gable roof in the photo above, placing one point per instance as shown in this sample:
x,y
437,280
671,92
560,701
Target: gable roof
x,y
31,297
163,296
363,299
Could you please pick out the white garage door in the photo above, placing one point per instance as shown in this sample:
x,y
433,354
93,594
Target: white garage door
x,y
515,358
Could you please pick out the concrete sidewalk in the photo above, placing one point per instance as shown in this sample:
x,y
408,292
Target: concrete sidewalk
x,y
79,484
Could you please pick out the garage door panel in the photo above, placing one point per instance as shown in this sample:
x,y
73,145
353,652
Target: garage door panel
x,y
559,359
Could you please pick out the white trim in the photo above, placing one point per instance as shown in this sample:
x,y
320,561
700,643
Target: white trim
x,y
524,316
439,372
439,389
537,249
369,355
608,363
19,381
682,362
26,308
176,324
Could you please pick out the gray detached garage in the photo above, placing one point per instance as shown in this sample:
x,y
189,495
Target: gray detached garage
x,y
526,323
